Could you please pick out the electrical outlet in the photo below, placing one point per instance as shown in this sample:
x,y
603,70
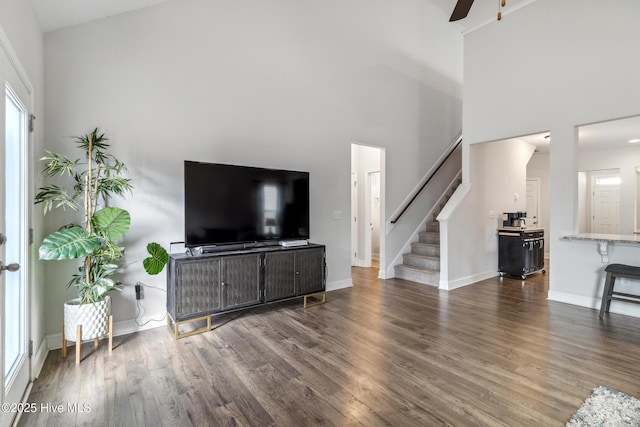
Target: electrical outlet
x,y
139,291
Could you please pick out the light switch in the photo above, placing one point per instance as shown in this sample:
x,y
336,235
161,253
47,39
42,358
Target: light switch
x,y
337,214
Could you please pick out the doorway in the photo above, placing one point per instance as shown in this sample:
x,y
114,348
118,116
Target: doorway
x,y
599,201
367,207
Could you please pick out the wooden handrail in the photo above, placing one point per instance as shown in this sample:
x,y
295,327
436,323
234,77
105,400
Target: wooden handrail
x,y
452,149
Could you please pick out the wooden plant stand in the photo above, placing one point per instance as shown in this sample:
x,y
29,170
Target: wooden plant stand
x,y
79,340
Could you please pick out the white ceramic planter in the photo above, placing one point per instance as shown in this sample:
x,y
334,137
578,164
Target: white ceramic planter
x,y
92,317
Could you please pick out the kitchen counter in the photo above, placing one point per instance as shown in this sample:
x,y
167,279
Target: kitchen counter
x,y
604,240
612,238
520,229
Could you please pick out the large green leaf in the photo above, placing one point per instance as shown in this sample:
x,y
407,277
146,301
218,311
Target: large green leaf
x,y
111,223
158,259
68,243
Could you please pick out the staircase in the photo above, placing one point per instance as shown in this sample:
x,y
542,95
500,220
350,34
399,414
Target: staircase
x,y
422,264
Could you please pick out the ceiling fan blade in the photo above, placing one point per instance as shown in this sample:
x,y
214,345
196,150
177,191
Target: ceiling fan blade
x,y
461,10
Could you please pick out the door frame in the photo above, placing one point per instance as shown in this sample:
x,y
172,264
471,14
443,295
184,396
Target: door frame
x,y
18,73
359,216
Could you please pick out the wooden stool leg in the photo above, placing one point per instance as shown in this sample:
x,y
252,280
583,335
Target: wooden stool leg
x,y
64,342
110,332
78,343
606,294
610,296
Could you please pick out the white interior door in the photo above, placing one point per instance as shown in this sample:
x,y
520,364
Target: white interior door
x,y
14,311
605,204
354,218
606,210
374,178
533,201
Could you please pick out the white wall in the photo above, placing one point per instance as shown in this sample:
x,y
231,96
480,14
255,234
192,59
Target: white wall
x,y
19,24
498,184
552,66
282,84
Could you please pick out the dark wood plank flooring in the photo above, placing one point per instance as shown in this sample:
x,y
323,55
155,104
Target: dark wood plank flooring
x,y
383,353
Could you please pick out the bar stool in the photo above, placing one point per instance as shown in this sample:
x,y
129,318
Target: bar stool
x,y
613,271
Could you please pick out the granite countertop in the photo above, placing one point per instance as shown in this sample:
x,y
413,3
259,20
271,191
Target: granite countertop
x,y
610,238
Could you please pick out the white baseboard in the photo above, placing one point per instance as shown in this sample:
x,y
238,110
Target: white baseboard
x,y
464,281
572,299
617,307
123,327
340,284
37,362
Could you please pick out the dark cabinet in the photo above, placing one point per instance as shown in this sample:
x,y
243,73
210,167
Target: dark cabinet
x,y
198,290
280,275
309,271
240,284
293,273
520,252
202,285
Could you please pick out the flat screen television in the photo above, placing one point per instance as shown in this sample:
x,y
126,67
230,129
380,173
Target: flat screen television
x,y
226,204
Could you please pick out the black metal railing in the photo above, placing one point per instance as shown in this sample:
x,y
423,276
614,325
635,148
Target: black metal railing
x,y
452,148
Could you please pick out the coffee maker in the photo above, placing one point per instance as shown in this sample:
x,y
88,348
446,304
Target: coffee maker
x,y
514,219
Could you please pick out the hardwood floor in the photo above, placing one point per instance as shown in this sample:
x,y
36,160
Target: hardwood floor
x,y
383,353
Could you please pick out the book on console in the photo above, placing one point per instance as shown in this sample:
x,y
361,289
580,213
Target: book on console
x,y
292,243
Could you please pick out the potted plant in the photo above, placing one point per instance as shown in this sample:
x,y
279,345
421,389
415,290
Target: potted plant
x,y
94,240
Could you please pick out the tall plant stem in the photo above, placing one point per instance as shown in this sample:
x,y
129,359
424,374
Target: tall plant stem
x,y
96,181
87,204
88,185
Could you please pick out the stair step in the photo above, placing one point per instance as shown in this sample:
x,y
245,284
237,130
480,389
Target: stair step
x,y
422,261
417,274
425,248
429,237
432,226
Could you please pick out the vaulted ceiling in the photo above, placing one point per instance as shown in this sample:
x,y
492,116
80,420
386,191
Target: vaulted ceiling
x,y
56,14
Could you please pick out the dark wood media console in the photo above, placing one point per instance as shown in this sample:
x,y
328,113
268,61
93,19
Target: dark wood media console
x,y
203,285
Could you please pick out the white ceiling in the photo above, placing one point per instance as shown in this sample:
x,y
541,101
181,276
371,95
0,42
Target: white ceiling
x,y
611,134
482,12
56,14
596,136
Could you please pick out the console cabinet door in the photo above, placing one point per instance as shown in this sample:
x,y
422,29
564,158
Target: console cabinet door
x,y
197,287
280,275
240,281
310,271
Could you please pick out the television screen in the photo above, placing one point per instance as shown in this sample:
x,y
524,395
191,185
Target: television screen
x,y
240,204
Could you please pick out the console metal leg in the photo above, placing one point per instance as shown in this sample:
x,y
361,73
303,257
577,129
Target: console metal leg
x,y
321,298
176,326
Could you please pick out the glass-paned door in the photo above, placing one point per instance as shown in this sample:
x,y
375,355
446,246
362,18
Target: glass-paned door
x,y
14,352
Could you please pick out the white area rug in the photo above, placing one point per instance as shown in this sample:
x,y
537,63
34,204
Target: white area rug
x,y
607,408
